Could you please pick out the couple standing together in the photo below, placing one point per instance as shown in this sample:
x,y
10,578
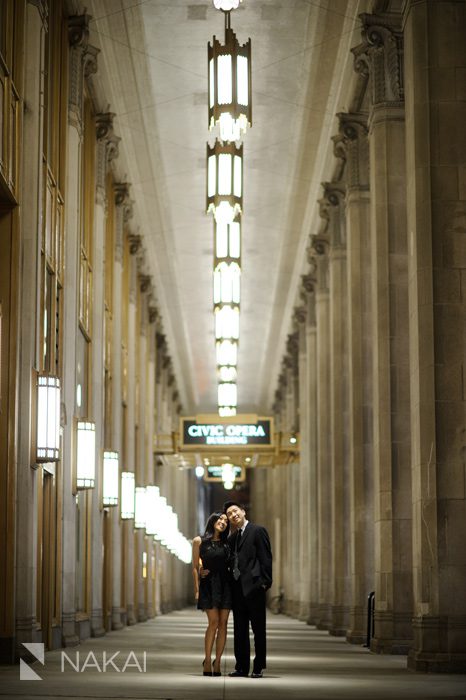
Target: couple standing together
x,y
232,569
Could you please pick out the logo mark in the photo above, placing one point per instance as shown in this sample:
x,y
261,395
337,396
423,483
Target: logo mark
x,y
25,672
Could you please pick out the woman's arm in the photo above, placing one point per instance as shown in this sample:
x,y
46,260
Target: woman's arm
x,y
195,559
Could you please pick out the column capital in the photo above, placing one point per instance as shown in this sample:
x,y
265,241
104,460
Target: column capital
x,y
107,146
353,130
300,315
82,64
380,55
135,243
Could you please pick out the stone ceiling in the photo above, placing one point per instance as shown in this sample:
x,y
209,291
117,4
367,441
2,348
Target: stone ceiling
x,y
153,73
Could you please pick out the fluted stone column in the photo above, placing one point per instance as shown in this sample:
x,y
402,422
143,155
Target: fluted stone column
x,y
381,54
303,477
104,133
122,213
312,569
324,484
31,198
335,210
435,69
82,62
353,129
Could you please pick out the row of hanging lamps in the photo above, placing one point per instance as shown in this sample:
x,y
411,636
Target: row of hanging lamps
x,y
230,108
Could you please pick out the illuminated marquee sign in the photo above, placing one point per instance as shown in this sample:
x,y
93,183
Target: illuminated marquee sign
x,y
214,473
257,434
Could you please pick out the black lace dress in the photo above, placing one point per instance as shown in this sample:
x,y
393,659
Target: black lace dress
x,y
215,588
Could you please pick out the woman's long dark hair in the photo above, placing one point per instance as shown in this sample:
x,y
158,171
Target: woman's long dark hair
x,y
210,530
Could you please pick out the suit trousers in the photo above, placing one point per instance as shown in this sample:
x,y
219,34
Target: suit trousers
x,y
245,610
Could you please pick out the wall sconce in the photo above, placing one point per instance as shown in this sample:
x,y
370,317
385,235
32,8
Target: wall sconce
x,y
224,181
127,495
110,479
153,508
229,83
140,507
48,419
85,455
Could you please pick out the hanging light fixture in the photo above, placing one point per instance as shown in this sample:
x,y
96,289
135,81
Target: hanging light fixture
x,y
110,478
228,241
85,455
48,418
227,396
224,181
153,506
227,353
127,495
227,374
226,322
229,83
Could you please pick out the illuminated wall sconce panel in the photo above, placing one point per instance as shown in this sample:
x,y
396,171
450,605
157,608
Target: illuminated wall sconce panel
x,y
127,495
48,419
140,507
230,85
85,455
153,510
111,478
224,181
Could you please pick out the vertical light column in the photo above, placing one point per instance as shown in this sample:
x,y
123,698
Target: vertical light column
x,y
435,66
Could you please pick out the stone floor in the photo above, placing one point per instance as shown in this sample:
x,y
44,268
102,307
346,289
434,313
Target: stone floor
x,y
303,664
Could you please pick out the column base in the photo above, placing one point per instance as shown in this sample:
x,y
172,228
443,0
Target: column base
x,y
391,646
117,621
339,621
429,662
324,619
355,637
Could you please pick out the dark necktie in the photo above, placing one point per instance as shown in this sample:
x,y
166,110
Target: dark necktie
x,y
236,571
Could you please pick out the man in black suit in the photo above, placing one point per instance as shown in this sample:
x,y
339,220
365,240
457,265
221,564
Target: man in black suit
x,y
251,569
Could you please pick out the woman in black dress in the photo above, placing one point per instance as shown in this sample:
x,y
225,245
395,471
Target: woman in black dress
x,y
213,592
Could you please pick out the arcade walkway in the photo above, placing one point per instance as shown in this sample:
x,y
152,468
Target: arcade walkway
x,y
303,663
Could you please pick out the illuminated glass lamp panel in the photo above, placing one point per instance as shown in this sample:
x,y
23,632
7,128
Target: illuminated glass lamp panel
x,y
48,419
127,495
227,322
224,181
229,85
227,374
140,507
227,5
153,508
227,399
227,353
110,479
228,242
227,283
85,455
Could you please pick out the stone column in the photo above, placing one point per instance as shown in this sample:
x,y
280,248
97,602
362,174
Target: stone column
x,y
353,130
31,198
304,496
334,203
122,214
309,287
324,484
381,55
82,63
435,69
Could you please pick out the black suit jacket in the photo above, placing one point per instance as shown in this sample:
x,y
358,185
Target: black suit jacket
x,y
254,558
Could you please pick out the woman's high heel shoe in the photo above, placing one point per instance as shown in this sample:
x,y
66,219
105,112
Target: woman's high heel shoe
x,y
216,673
206,673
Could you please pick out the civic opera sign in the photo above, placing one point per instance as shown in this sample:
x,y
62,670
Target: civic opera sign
x,y
257,434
